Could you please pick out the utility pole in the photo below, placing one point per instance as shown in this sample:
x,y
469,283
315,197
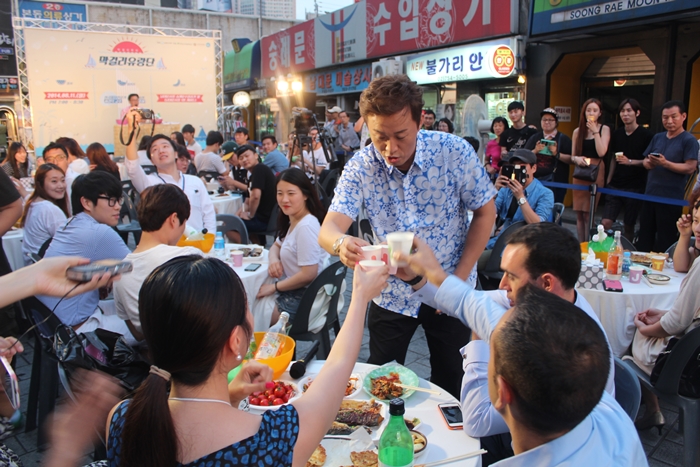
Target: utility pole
x,y
260,25
316,7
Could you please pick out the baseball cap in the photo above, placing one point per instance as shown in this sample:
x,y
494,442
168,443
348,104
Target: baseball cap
x,y
523,155
516,105
335,110
550,111
227,149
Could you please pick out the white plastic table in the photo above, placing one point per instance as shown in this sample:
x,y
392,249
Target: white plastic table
x,y
227,203
443,443
12,244
252,280
616,310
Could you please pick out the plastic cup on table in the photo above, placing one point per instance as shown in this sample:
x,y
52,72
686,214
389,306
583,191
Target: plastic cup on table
x,y
372,252
237,258
636,273
658,262
399,241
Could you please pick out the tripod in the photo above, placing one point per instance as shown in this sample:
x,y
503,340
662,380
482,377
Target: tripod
x,y
303,140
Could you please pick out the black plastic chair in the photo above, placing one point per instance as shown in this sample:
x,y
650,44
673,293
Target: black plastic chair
x,y
626,244
129,220
271,225
366,232
43,386
672,249
628,392
666,389
149,169
131,191
227,222
557,212
330,182
334,275
208,175
492,270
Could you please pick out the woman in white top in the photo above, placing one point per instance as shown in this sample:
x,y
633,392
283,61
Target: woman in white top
x,y
45,210
655,327
296,257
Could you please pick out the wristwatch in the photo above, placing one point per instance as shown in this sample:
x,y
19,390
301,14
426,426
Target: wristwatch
x,y
337,243
522,201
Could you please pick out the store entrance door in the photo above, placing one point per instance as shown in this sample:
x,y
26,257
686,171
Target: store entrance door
x,y
612,92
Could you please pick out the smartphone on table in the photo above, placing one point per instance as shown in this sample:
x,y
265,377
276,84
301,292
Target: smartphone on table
x,y
612,286
452,413
252,267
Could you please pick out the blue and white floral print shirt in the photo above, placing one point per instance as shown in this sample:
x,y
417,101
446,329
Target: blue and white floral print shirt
x,y
445,180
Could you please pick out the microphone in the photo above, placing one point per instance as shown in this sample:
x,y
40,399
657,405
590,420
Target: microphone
x,y
298,369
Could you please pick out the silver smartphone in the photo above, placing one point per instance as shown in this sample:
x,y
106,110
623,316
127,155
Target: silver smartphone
x,y
86,272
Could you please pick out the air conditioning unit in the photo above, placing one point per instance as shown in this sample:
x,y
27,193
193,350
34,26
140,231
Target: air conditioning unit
x,y
387,66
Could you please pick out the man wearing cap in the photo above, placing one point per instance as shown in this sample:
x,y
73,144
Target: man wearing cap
x,y
193,146
531,202
332,121
238,178
517,135
209,160
552,159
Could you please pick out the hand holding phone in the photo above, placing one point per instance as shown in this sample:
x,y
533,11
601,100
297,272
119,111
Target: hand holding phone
x,y
86,272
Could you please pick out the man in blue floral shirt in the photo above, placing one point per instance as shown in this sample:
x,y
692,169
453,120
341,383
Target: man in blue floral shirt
x,y
419,181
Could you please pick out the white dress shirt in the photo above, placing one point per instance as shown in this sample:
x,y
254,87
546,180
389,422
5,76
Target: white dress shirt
x,y
202,214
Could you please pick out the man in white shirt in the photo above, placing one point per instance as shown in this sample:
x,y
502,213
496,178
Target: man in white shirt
x,y
162,213
543,254
209,160
164,156
193,146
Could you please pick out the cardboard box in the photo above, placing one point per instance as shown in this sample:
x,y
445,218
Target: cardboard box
x,y
591,277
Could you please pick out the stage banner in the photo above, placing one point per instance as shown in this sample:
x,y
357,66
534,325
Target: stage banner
x,y
79,82
341,36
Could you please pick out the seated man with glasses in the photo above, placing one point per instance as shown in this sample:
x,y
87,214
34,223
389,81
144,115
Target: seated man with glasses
x,y
97,200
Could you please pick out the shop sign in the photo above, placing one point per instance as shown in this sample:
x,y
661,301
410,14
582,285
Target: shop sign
x,y
240,69
53,11
289,51
258,94
550,16
407,25
350,79
8,65
485,60
8,83
563,113
344,30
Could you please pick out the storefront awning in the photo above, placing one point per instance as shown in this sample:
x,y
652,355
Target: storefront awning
x,y
243,68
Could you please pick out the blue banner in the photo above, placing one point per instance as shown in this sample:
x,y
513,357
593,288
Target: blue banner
x,y
552,16
344,80
53,11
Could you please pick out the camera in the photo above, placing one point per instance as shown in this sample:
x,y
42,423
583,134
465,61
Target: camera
x,y
146,114
303,120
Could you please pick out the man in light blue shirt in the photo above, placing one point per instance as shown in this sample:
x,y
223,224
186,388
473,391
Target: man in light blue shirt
x,y
274,159
97,201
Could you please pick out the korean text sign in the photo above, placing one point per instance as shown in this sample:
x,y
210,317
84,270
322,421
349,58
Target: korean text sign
x,y
52,11
350,79
288,51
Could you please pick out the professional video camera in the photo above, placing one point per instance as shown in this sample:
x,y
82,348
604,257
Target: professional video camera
x,y
303,120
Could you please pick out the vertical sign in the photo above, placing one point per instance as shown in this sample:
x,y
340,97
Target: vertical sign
x,y
288,51
344,31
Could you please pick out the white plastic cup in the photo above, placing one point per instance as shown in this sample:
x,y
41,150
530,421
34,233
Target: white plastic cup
x,y
399,241
618,155
237,258
636,273
370,264
372,252
385,253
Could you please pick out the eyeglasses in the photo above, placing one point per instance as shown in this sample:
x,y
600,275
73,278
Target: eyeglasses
x,y
548,120
53,160
112,201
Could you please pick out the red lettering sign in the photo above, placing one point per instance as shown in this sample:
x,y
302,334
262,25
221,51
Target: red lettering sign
x,y
65,95
288,51
181,98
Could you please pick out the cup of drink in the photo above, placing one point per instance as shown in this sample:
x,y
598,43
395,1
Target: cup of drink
x,y
592,118
372,252
237,258
658,262
636,273
618,155
385,253
370,264
402,242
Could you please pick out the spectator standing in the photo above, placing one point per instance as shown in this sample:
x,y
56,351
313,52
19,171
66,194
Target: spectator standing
x,y
134,102
274,159
552,159
428,120
671,158
97,200
589,147
362,130
493,150
209,160
314,156
332,121
45,211
627,172
296,258
261,191
100,160
411,180
517,135
78,161
192,145
445,125
162,214
241,136
162,152
347,138
16,164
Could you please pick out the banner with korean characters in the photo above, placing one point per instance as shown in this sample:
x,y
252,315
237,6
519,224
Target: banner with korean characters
x,y
349,79
400,26
483,60
289,51
55,11
341,36
79,81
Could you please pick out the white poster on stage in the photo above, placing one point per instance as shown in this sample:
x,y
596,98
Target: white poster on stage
x,y
79,82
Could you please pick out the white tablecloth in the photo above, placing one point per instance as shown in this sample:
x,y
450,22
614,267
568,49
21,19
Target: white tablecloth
x,y
443,443
12,244
617,310
227,203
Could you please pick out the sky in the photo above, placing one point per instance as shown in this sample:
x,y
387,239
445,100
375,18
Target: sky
x,y
323,6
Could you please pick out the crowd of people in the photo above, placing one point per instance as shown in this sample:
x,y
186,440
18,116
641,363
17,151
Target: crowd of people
x,y
530,363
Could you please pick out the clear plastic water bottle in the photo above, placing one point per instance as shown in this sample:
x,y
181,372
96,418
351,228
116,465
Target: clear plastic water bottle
x,y
271,345
219,245
396,442
626,263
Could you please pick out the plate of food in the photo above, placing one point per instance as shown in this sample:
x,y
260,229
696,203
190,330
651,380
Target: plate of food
x,y
353,414
335,452
420,443
282,393
354,384
382,382
658,279
640,257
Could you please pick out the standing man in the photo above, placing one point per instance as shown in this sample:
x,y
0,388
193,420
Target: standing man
x,y
209,160
332,121
552,159
671,158
193,146
428,119
347,138
411,180
274,159
518,134
627,172
134,101
240,136
262,192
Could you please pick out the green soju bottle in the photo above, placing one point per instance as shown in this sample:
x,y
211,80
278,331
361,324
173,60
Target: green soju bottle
x,y
396,442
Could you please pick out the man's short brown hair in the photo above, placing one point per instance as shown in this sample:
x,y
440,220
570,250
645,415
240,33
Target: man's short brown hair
x,y
391,94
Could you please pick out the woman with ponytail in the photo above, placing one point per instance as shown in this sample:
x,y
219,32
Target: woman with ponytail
x,y
196,334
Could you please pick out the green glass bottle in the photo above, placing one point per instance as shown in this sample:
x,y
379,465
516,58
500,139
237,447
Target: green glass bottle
x,y
396,442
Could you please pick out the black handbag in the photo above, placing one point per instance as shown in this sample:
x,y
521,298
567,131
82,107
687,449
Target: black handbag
x,y
586,174
689,385
101,350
